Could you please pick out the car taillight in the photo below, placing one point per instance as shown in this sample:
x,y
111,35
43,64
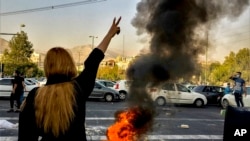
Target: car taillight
x,y
153,90
116,86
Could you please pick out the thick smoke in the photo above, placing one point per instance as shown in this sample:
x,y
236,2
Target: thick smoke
x,y
177,30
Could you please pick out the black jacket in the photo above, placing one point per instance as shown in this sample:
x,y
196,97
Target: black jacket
x,y
84,84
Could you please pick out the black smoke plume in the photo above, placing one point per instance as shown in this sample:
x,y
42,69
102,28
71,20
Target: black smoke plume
x,y
177,31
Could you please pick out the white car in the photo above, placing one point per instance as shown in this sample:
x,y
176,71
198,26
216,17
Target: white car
x,y
229,99
32,81
122,86
175,93
6,87
42,81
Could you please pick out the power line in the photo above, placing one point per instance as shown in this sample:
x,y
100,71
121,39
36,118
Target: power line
x,y
8,34
51,7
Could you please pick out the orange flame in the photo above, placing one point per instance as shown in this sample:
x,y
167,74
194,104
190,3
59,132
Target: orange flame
x,y
130,125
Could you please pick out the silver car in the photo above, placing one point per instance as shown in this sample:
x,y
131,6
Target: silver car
x,y
102,92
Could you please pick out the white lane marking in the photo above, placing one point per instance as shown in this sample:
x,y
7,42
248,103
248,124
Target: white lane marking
x,y
112,118
149,137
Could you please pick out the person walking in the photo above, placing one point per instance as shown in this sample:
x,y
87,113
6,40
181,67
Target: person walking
x,y
239,88
56,111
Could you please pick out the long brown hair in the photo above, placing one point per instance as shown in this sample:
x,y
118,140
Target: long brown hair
x,y
54,104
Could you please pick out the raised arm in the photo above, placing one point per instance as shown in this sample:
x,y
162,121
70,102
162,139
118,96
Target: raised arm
x,y
114,29
233,76
86,79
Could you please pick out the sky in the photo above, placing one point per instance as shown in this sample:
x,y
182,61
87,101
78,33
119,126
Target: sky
x,y
71,26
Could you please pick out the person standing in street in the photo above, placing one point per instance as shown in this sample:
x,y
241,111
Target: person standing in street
x,y
13,98
239,88
18,89
56,111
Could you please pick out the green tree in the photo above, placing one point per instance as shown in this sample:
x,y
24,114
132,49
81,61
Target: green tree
x,y
18,56
110,73
233,62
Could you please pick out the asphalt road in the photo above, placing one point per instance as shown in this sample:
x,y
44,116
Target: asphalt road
x,y
169,124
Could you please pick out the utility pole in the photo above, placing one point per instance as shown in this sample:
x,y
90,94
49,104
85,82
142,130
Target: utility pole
x,y
93,40
79,54
206,48
123,47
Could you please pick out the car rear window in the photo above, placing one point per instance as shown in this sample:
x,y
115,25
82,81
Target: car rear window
x,y
169,86
5,82
198,88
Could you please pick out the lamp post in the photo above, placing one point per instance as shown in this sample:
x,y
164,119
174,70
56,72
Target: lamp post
x,y
1,73
93,40
22,25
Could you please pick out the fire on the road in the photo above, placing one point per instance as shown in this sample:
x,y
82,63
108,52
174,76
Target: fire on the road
x,y
130,125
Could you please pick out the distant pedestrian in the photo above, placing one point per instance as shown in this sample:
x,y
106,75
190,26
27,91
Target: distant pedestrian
x,y
56,111
239,88
13,98
22,95
18,88
228,89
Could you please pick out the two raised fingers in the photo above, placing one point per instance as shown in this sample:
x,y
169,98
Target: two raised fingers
x,y
116,23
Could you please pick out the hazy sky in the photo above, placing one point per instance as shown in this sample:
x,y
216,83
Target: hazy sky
x,y
71,26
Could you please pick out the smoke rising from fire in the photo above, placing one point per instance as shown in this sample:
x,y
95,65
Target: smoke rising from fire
x,y
177,31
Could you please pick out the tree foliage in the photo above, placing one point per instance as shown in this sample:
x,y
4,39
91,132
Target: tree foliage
x,y
234,62
18,56
110,73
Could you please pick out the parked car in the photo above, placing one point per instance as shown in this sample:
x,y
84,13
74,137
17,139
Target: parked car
x,y
229,99
42,81
177,94
6,87
122,86
33,81
191,86
106,83
212,93
102,92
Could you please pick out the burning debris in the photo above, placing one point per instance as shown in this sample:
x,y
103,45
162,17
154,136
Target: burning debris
x,y
176,30
130,125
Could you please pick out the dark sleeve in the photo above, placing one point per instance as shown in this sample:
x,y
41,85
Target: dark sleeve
x,y
27,129
15,80
86,79
233,78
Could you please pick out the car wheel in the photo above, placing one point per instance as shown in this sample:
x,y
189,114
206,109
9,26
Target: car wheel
x,y
225,103
198,103
160,101
122,95
109,97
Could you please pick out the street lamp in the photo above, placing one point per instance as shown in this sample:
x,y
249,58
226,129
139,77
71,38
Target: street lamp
x,y
93,40
1,73
22,25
